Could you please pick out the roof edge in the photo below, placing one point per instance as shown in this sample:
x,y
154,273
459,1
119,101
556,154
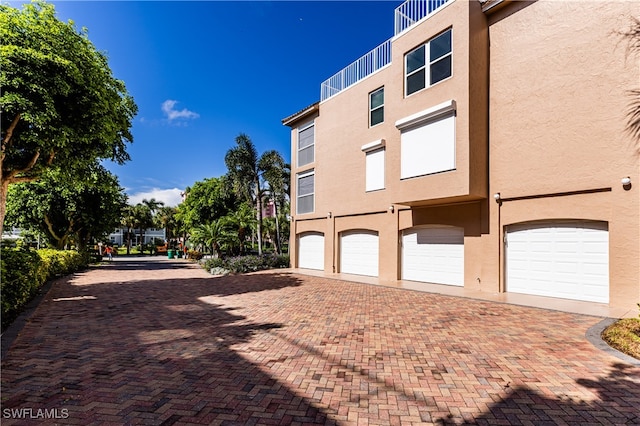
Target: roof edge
x,y
287,121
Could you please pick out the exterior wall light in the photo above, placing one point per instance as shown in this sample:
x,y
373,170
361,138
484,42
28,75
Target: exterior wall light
x,y
625,181
496,197
329,215
391,209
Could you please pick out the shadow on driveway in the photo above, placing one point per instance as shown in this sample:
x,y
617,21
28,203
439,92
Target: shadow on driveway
x,y
147,351
144,342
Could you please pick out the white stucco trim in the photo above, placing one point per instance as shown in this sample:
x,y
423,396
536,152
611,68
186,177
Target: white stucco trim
x,y
373,145
427,114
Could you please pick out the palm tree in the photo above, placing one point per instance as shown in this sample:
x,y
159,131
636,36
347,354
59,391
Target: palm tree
x,y
241,222
143,220
128,221
246,172
213,235
278,175
270,230
153,205
166,218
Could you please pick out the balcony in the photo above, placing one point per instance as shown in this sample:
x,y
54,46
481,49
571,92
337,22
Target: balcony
x,y
407,14
412,11
356,71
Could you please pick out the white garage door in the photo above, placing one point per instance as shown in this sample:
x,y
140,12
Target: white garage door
x,y
311,251
568,260
359,253
433,254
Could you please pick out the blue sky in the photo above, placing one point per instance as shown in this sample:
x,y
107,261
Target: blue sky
x,y
202,72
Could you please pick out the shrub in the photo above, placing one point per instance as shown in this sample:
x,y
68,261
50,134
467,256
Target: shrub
x,y
218,271
280,261
61,262
24,271
22,275
214,263
251,263
195,255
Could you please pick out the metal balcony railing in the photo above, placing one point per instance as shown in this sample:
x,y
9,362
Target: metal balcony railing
x,y
356,71
412,11
407,14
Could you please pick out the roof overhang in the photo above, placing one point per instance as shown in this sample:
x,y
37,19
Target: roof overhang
x,y
490,6
311,109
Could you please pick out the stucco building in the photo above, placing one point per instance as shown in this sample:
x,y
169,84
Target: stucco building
x,y
484,145
119,236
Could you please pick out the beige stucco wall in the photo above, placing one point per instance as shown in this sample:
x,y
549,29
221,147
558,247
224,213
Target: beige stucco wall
x,y
342,126
559,78
541,95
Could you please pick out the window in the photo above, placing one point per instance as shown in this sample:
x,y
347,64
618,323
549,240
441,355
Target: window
x,y
305,144
428,64
375,170
376,107
374,165
305,192
428,141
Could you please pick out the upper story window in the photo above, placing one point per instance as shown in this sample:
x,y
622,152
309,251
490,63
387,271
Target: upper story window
x,y
428,64
374,165
305,192
428,141
306,139
376,107
374,179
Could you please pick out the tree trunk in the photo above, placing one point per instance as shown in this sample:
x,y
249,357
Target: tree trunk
x,y
128,240
61,240
259,205
275,212
141,241
3,203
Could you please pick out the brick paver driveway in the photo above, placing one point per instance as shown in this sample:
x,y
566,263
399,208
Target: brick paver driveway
x,y
161,342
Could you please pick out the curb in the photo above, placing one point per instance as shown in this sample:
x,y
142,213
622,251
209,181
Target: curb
x,y
593,335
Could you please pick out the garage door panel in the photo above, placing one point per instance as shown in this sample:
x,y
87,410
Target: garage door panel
x,y
311,251
567,247
434,255
359,253
567,260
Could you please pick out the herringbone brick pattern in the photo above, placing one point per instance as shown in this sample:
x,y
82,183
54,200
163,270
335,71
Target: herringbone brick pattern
x,y
160,342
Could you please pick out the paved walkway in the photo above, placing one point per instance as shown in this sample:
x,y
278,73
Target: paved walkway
x,y
161,342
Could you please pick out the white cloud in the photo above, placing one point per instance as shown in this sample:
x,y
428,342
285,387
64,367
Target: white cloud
x,y
170,197
168,107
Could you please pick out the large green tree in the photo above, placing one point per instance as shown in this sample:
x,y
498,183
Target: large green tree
x,y
247,172
205,202
67,208
60,104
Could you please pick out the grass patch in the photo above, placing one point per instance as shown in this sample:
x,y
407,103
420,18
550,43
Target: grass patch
x,y
624,335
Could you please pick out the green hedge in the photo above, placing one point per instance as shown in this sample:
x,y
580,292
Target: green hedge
x,y
244,264
24,271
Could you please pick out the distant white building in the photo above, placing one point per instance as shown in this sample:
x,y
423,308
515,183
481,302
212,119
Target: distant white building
x,y
119,236
11,233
